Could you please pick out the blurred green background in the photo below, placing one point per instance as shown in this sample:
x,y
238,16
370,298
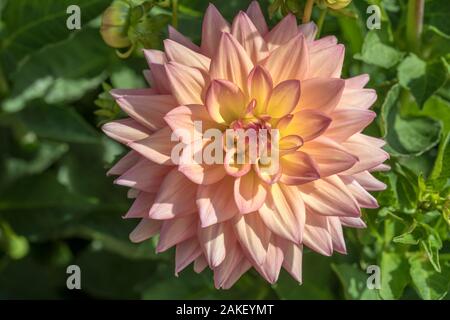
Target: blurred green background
x,y
57,207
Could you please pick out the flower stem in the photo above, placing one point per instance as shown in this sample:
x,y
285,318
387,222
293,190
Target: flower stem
x,y
323,14
308,11
175,13
414,24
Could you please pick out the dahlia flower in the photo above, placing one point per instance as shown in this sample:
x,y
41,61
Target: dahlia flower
x,y
233,216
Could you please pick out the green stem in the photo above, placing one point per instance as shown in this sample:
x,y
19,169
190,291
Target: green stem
x,y
414,24
323,14
175,13
308,11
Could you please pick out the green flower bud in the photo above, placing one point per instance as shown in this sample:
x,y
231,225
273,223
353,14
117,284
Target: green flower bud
x,y
115,24
333,4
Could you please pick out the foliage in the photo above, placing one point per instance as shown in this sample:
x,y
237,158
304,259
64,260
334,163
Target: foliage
x,y
58,208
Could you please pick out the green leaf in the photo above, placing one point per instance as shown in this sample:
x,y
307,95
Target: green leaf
x,y
62,72
429,284
394,275
421,78
432,244
377,53
441,169
409,135
437,13
410,237
354,282
58,123
32,25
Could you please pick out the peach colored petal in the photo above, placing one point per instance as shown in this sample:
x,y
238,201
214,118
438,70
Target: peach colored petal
x,y
181,39
157,147
215,202
225,102
125,130
316,235
357,82
186,252
253,236
321,65
364,199
289,61
255,14
175,198
200,264
124,164
309,30
271,267
141,206
329,156
249,192
156,60
320,94
283,212
308,124
368,182
337,235
347,122
285,97
176,230
352,222
231,62
283,32
260,88
185,56
186,83
146,229
147,110
357,98
329,197
214,240
213,25
293,256
249,37
298,168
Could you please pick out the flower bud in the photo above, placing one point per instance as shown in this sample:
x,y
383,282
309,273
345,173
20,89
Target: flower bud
x,y
115,24
333,4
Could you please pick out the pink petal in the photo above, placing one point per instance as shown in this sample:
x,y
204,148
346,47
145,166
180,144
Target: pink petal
x,y
361,99
124,164
253,236
271,267
125,130
148,110
215,202
213,26
146,229
298,168
308,124
293,256
231,62
181,39
330,197
186,83
352,222
260,88
285,97
214,240
368,182
321,94
316,235
283,32
357,82
337,235
283,212
157,147
347,122
176,197
249,37
327,62
255,14
156,60
200,264
141,206
309,31
289,61
249,192
364,199
186,252
144,175
176,230
183,55
329,156
225,102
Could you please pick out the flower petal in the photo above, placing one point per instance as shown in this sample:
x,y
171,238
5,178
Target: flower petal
x,y
225,102
176,230
125,130
141,206
181,39
183,55
309,30
186,83
231,62
157,147
285,97
255,14
176,197
283,212
308,124
298,168
320,94
327,62
347,122
368,182
186,252
253,236
364,199
293,256
260,88
213,26
214,240
361,99
283,32
249,192
156,60
337,235
216,202
289,61
146,229
316,235
124,164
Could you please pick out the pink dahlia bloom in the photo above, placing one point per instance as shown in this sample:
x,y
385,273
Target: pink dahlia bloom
x,y
231,217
